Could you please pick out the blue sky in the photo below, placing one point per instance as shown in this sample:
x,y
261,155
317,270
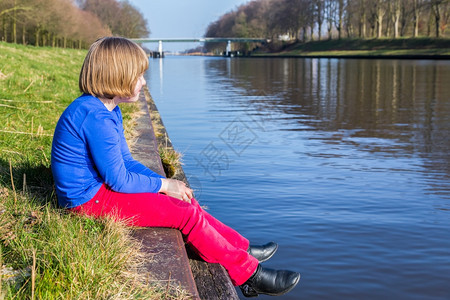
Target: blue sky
x,y
182,19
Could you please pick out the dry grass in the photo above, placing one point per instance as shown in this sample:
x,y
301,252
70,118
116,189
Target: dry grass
x,y
64,255
170,158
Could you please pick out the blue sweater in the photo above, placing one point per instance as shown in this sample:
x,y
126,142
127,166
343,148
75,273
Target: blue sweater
x,y
89,149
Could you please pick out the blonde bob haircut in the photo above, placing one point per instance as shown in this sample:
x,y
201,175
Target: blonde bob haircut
x,y
112,68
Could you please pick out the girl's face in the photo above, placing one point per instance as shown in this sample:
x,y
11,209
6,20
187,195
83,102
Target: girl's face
x,y
139,84
137,89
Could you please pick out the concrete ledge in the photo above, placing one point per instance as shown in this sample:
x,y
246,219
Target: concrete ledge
x,y
166,260
165,254
212,280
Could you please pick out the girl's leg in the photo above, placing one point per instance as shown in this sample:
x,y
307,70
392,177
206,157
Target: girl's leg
x,y
227,232
157,210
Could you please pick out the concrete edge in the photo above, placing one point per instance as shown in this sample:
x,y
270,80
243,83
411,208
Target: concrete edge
x,y
212,280
165,256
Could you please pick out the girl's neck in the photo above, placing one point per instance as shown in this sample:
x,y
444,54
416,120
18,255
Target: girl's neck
x,y
110,104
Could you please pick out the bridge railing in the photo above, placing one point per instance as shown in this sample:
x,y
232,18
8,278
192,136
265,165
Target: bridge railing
x,y
228,52
202,40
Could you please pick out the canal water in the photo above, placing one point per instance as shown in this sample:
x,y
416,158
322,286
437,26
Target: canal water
x,y
344,162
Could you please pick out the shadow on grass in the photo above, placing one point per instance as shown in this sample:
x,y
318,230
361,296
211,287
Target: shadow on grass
x,y
36,180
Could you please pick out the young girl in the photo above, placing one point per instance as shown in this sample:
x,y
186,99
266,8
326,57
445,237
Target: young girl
x,y
96,175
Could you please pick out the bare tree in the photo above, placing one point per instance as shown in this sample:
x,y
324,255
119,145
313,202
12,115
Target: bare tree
x,y
379,12
330,16
257,18
122,18
302,18
11,10
131,23
438,8
395,15
341,10
405,16
319,7
357,15
307,18
417,8
445,17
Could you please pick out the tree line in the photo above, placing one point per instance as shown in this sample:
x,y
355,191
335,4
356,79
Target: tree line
x,y
68,23
306,20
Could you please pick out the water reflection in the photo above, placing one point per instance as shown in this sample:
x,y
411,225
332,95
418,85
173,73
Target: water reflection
x,y
349,171
385,107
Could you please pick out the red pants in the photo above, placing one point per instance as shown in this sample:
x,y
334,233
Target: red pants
x,y
214,241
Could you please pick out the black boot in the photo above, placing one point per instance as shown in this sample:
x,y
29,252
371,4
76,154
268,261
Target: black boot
x,y
270,282
264,252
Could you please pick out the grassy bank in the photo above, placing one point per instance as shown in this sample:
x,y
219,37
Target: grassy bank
x,y
420,47
45,252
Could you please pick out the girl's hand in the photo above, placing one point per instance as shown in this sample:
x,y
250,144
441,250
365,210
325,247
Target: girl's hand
x,y
177,189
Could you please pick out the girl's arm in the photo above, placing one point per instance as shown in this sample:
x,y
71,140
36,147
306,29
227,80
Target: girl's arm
x,y
103,137
133,165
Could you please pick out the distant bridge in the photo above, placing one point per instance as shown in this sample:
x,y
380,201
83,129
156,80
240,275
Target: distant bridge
x,y
200,40
203,40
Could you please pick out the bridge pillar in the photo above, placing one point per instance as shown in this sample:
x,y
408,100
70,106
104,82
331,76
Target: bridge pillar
x,y
159,53
228,50
160,49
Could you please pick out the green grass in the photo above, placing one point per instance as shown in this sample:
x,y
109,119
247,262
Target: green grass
x,y
374,53
57,255
366,47
37,84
